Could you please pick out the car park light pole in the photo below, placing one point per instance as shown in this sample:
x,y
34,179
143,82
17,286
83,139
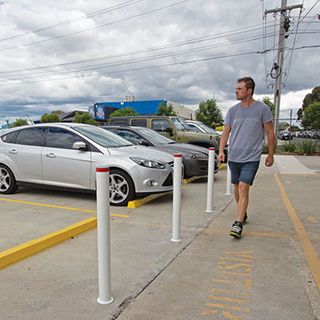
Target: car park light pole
x,y
176,213
103,231
210,187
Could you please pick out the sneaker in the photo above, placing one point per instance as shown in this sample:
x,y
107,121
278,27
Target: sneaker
x,y
236,229
245,218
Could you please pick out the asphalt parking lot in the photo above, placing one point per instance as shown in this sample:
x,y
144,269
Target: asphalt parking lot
x,y
154,278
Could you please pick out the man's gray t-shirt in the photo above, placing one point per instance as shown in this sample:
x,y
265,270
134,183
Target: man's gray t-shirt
x,y
247,132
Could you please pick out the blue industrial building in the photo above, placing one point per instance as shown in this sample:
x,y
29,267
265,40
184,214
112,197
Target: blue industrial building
x,y
101,110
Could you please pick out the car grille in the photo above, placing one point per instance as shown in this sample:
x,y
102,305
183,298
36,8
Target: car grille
x,y
169,181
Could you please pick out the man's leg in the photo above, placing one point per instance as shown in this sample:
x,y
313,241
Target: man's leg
x,y
243,200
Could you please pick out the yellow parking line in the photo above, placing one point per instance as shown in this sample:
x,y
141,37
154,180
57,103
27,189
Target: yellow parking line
x,y
58,207
308,249
139,202
31,247
188,180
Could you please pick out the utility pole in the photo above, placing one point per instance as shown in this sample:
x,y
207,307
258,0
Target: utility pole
x,y
277,69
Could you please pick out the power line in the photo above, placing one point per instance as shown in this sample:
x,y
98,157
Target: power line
x,y
151,49
73,20
144,59
143,68
96,27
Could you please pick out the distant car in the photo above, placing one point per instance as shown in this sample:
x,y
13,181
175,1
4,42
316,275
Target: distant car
x,y
65,156
195,158
198,126
285,135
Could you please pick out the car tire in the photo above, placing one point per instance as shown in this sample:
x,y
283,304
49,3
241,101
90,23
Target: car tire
x,y
8,182
121,188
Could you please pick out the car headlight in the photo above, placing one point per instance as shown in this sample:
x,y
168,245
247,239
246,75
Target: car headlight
x,y
149,163
199,156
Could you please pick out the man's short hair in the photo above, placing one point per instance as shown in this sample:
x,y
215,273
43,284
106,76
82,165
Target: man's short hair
x,y
249,82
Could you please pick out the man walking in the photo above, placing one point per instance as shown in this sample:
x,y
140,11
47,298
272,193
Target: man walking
x,y
246,123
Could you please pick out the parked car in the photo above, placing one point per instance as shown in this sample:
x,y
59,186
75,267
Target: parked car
x,y
198,126
65,156
285,135
195,158
172,127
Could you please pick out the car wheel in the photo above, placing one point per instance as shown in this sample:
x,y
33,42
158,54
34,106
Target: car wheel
x,y
7,180
121,188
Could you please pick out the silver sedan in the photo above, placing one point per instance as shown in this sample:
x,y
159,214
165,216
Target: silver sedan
x,y
65,156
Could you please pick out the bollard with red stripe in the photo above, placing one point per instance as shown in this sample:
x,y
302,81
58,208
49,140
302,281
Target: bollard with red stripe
x,y
176,214
210,182
103,231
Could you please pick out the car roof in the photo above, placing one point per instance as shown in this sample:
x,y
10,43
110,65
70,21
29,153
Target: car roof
x,y
44,125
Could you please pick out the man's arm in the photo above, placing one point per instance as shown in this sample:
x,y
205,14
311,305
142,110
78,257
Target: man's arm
x,y
268,127
223,142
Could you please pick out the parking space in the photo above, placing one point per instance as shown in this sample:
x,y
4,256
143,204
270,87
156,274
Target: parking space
x,y
206,275
33,215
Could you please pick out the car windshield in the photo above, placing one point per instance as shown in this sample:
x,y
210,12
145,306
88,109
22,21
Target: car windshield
x,y
180,124
206,128
103,137
154,137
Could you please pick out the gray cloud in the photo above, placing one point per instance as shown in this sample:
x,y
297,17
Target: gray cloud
x,y
212,73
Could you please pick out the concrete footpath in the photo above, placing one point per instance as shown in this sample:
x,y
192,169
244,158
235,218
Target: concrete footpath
x,y
272,272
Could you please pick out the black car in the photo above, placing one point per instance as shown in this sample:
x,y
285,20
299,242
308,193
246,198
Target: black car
x,y
195,158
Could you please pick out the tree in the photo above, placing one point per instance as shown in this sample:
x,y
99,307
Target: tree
x,y
311,116
268,102
50,117
19,122
166,110
209,113
84,117
309,99
124,112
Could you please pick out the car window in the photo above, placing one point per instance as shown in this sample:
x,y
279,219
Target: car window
x,y
116,121
193,127
9,137
139,122
131,136
61,138
154,137
180,124
29,137
103,137
160,124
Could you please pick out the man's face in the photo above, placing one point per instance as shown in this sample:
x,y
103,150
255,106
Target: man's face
x,y
242,92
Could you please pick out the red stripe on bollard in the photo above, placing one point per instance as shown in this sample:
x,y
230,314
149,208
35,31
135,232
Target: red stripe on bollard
x,y
178,155
102,169
212,148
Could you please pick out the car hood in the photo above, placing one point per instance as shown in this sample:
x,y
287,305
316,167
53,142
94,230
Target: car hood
x,y
141,152
186,148
183,148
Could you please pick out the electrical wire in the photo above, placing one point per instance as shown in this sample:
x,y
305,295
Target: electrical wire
x,y
151,49
73,20
96,27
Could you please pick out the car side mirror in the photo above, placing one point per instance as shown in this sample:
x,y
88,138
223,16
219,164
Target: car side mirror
x,y
169,130
144,143
80,145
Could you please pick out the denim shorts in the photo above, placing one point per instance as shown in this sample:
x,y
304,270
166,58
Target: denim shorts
x,y
243,172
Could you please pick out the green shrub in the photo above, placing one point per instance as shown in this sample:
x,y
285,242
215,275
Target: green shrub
x,y
308,147
289,147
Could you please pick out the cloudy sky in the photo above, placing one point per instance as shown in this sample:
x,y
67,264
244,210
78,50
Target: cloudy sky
x,y
65,55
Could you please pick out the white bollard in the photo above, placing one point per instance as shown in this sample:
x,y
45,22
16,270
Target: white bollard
x,y
228,189
176,213
103,231
210,187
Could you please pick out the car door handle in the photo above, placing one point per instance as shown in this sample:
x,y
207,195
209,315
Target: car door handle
x,y
13,151
50,155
